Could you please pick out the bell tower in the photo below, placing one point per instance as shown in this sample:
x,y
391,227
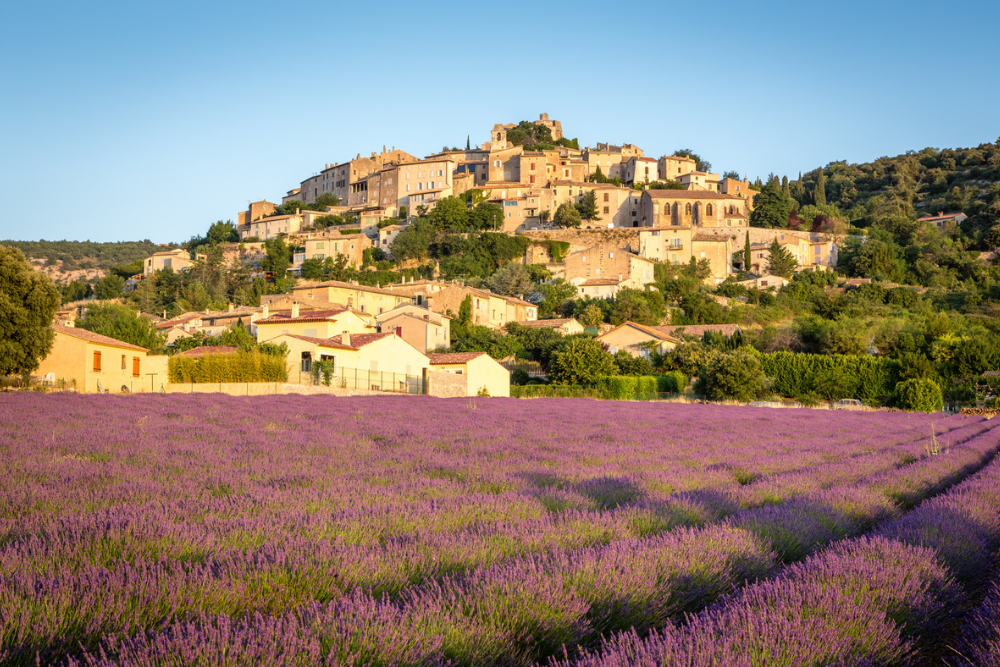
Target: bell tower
x,y
498,139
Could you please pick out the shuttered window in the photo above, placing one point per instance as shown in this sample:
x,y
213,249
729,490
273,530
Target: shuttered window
x,y
97,362
135,367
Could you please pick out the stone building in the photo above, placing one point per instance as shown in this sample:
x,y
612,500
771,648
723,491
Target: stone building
x,y
255,211
337,179
672,167
701,208
640,169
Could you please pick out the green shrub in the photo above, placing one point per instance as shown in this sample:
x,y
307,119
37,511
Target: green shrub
x,y
618,387
242,366
922,395
673,382
796,374
646,387
732,375
556,391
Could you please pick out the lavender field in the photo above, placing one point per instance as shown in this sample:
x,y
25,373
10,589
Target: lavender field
x,y
291,530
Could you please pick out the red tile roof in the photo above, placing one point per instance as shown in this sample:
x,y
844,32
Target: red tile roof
x,y
360,340
92,337
598,282
338,283
322,342
655,332
309,316
441,358
552,324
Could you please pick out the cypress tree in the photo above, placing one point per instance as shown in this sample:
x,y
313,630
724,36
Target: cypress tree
x,y
746,252
467,144
784,186
819,194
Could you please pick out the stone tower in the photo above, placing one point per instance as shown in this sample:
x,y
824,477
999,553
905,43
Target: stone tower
x,y
498,139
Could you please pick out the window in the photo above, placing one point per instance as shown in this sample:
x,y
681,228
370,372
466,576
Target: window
x,y
687,210
708,210
607,210
666,209
123,362
97,362
135,367
611,255
532,178
606,198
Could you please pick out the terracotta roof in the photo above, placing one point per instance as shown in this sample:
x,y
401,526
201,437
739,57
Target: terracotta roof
x,y
688,194
711,237
360,288
943,216
991,374
308,316
700,329
322,342
542,324
92,337
596,282
180,319
440,358
360,340
208,349
655,332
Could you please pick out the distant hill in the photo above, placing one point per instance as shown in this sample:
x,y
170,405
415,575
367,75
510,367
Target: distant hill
x,y
71,256
916,183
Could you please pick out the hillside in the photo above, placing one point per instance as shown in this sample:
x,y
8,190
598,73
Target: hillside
x,y
66,261
916,183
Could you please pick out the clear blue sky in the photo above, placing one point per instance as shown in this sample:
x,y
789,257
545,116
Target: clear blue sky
x,y
133,120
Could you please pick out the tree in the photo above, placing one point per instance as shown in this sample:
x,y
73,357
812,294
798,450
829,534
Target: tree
x,y
124,324
780,261
592,315
819,194
567,216
278,257
28,303
324,200
747,255
465,312
551,296
772,207
922,395
222,232
629,365
598,176
580,361
312,269
700,164
588,205
110,286
486,215
510,280
732,375
991,239
450,213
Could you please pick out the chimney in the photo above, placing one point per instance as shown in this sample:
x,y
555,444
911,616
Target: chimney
x,y
295,309
266,312
345,338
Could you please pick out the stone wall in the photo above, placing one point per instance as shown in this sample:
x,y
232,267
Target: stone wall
x,y
447,385
579,239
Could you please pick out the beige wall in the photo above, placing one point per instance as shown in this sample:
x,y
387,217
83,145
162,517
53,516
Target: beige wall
x,y
333,244
640,169
345,321
672,167
72,360
176,260
387,355
483,372
372,302
630,339
422,334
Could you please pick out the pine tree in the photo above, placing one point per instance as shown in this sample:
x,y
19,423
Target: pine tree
x,y
784,186
780,261
819,194
746,252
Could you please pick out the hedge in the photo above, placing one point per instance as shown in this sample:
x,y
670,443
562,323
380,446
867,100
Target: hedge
x,y
239,366
673,382
919,394
794,373
555,391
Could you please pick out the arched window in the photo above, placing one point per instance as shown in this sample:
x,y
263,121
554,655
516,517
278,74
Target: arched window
x,y
666,209
687,210
708,210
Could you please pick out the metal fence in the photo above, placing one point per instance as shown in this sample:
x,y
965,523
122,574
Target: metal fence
x,y
358,378
532,368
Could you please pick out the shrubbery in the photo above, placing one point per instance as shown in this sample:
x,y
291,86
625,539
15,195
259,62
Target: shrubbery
x,y
795,374
253,366
922,395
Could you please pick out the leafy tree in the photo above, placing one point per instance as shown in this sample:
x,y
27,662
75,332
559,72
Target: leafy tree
x,y
312,268
510,280
412,243
110,286
700,164
735,175
819,192
780,261
629,365
580,361
484,339
336,268
772,207
639,306
28,303
278,257
732,375
922,395
122,323
588,206
450,213
665,185
833,383
325,199
567,216
486,215
551,296
592,315
373,255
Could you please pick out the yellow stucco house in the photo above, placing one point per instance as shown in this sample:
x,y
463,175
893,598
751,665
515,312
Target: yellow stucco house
x,y
92,363
476,372
312,323
638,340
419,326
375,361
373,300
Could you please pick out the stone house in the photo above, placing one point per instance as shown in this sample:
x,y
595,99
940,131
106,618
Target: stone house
x,y
337,179
255,211
177,260
90,363
330,243
370,300
419,326
312,323
672,167
640,170
269,228
565,326
700,208
608,260
942,219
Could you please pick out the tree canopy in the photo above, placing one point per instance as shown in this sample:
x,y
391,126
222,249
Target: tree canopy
x,y
28,303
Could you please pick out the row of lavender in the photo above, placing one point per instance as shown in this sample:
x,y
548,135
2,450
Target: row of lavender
x,y
889,598
514,610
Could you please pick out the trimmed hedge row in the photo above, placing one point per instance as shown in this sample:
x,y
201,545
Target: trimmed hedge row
x,y
795,373
556,391
253,366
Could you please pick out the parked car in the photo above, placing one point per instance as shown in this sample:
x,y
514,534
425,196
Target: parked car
x,y
848,404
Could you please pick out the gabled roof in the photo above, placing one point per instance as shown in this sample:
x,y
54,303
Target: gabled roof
x,y
942,216
322,342
598,282
92,337
308,316
441,358
654,332
343,285
360,340
688,194
700,329
180,319
547,324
